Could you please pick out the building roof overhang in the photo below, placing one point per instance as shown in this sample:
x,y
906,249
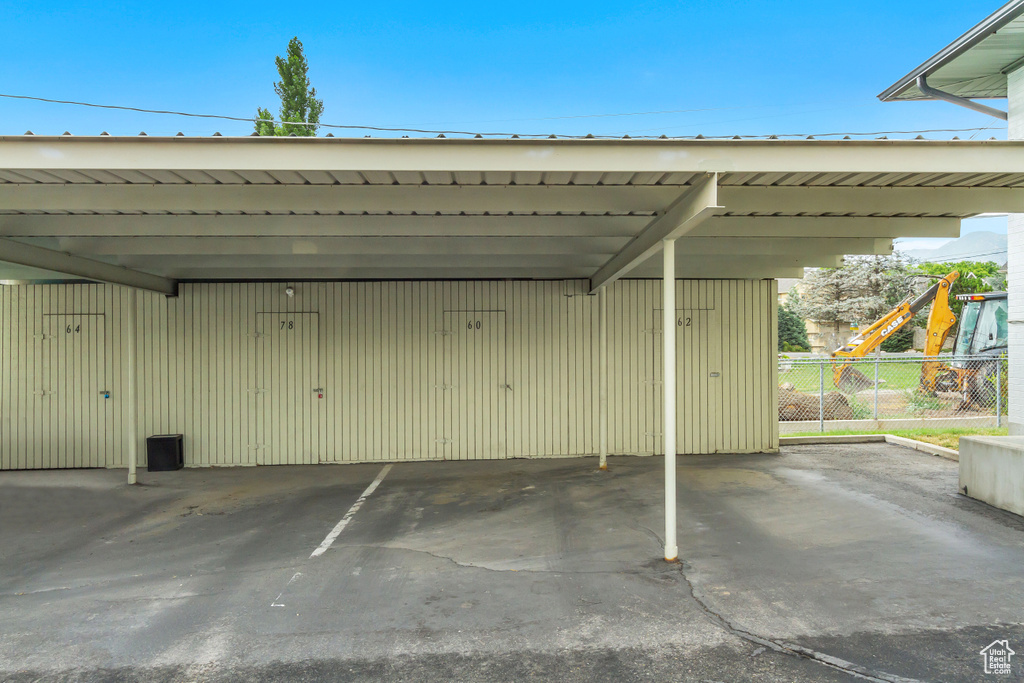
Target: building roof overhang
x,y
148,211
975,64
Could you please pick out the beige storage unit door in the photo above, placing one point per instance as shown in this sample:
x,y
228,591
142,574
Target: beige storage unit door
x,y
474,388
287,392
73,392
698,381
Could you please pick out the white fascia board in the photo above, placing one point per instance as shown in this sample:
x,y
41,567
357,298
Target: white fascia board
x,y
455,155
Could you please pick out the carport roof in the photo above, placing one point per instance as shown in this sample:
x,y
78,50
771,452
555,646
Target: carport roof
x,y
165,209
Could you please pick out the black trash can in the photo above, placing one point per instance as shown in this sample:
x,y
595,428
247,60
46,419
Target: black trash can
x,y
165,452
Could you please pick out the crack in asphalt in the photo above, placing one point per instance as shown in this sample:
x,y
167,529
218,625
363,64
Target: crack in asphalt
x,y
781,647
785,648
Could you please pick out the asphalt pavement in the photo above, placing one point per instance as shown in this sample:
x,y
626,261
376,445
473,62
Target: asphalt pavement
x,y
822,563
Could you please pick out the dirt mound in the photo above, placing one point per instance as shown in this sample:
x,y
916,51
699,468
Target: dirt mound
x,y
794,405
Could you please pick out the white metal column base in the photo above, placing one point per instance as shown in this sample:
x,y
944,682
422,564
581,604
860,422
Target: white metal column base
x,y
669,384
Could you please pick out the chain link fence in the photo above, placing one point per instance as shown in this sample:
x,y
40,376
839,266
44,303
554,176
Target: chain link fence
x,y
891,392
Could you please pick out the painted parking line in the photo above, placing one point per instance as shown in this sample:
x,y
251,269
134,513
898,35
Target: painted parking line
x,y
277,601
340,526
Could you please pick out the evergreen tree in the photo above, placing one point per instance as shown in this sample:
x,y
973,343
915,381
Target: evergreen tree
x,y
792,331
298,100
859,291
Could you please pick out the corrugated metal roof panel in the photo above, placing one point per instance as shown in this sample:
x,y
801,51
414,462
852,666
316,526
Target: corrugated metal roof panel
x,y
347,177
318,177
257,177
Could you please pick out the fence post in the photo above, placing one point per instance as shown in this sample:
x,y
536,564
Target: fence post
x,y
821,396
999,393
876,389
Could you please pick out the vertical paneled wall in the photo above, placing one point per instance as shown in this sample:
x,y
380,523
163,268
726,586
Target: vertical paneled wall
x,y
364,371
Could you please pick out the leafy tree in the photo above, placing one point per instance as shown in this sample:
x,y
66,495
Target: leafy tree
x,y
973,278
860,291
298,100
792,331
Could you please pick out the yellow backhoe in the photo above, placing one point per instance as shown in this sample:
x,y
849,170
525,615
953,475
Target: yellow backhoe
x,y
940,323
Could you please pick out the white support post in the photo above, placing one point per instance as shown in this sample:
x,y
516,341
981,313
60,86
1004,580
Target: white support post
x,y
133,408
669,384
602,372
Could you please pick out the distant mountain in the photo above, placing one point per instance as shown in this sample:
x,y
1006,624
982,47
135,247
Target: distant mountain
x,y
974,246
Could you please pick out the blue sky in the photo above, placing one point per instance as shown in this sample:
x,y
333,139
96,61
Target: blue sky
x,y
721,67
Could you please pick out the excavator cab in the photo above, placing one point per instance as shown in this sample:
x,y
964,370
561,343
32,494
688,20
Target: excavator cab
x,y
983,327
981,342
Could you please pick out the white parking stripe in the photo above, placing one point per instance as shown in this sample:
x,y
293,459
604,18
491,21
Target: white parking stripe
x,y
340,526
290,582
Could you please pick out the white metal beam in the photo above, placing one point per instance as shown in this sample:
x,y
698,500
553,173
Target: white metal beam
x,y
81,225
739,266
186,272
504,199
12,251
299,226
696,204
819,226
871,201
439,246
538,156
285,199
449,267
713,270
349,246
782,246
393,261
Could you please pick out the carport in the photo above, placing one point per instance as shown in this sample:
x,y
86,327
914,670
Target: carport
x,y
244,236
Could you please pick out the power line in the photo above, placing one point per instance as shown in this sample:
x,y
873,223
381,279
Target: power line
x,y
384,129
251,119
964,257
